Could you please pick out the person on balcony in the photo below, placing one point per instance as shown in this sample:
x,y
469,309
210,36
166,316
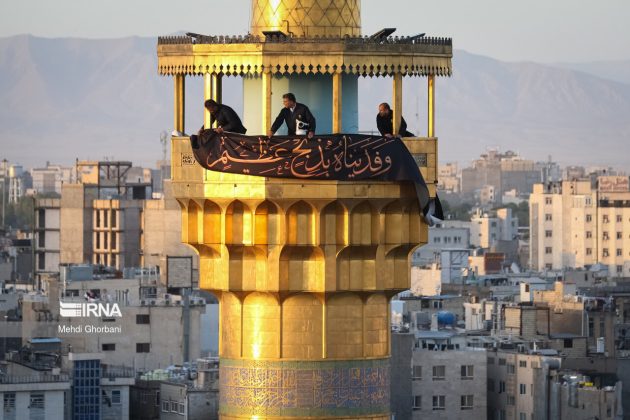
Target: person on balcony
x,y
227,119
297,116
385,124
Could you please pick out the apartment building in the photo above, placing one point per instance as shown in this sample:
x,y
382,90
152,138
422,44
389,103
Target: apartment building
x,y
579,223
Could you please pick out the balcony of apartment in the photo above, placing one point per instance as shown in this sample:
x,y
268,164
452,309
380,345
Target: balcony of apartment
x,y
34,379
115,375
37,381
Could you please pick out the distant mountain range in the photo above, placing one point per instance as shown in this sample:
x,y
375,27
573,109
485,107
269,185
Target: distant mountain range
x,y
90,99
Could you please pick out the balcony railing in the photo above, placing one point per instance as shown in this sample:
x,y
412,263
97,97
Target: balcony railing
x,y
33,379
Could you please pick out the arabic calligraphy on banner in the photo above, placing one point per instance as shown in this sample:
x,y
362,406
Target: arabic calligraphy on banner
x,y
339,157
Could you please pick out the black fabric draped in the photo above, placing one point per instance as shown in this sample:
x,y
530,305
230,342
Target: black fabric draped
x,y
341,157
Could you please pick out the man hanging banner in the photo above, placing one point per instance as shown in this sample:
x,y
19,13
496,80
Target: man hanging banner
x,y
340,157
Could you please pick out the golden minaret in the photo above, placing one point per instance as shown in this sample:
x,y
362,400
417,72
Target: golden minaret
x,y
303,270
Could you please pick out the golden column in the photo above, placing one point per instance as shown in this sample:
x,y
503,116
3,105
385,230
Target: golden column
x,y
303,270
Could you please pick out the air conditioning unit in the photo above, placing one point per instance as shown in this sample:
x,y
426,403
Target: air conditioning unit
x,y
142,302
152,303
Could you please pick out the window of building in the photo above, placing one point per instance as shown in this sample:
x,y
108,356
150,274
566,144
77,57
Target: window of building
x,y
548,234
522,416
511,400
618,218
501,361
9,401
548,267
116,397
548,200
522,363
589,218
98,218
589,234
605,236
620,269
467,371
143,319
548,217
490,385
501,386
605,218
522,389
619,235
568,343
619,253
437,304
181,408
108,347
439,402
437,240
589,251
166,406
510,368
493,224
114,218
105,238
467,402
439,372
37,400
417,402
491,360
548,250
417,372
605,252
143,347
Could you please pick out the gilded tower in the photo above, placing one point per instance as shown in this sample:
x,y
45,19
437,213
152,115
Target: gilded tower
x,y
303,270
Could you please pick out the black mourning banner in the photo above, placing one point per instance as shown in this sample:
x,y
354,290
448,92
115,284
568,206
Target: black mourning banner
x,y
340,157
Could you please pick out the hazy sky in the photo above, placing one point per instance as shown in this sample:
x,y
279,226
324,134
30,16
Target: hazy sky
x,y
536,30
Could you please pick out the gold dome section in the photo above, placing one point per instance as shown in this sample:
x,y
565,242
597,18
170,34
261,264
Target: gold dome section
x,y
307,17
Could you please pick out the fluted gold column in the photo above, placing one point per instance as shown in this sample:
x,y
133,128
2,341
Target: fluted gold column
x,y
179,102
396,102
431,105
336,102
207,94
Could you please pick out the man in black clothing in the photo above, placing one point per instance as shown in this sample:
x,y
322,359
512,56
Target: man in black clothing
x,y
385,124
297,116
226,118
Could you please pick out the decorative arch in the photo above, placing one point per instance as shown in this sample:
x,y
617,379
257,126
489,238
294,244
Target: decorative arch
x,y
334,224
238,224
356,268
396,223
211,223
302,268
266,224
363,224
300,224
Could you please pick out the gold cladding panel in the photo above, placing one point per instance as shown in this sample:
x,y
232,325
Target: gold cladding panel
x,y
302,331
344,326
261,327
376,326
231,310
307,17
